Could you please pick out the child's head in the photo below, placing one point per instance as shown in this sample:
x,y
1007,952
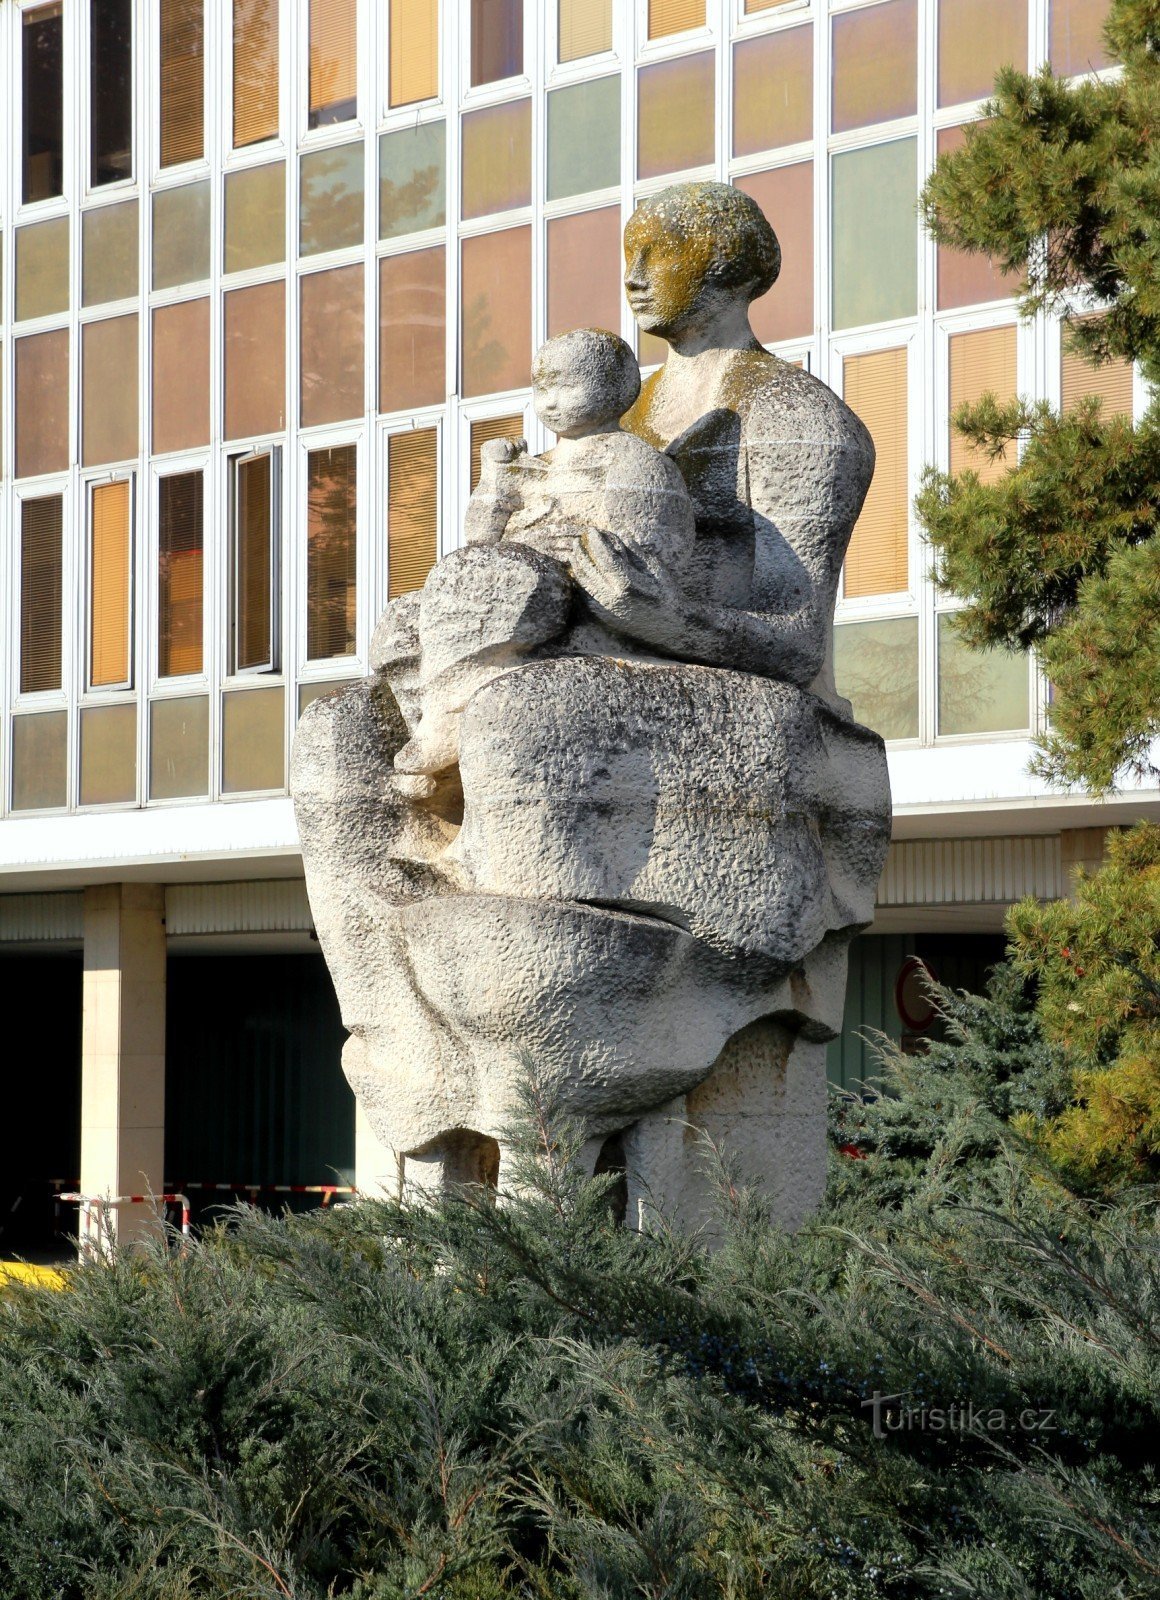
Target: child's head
x,y
584,381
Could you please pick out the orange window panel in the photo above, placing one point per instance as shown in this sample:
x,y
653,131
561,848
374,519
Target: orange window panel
x,y
41,595
496,311
333,62
110,609
413,329
981,362
877,560
1111,383
180,574
674,16
412,509
331,551
584,282
255,87
585,28
182,81
414,35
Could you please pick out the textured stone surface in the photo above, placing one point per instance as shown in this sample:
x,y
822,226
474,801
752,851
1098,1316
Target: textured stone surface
x,y
641,856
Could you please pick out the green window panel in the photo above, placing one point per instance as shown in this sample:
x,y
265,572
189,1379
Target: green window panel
x,y
255,217
979,691
109,254
875,234
330,201
876,668
584,138
413,180
181,235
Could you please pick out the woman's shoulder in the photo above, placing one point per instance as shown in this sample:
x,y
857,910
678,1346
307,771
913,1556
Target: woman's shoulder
x,y
780,400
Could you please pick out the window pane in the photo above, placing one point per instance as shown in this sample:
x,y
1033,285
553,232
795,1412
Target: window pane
x,y
109,252
331,614
875,65
413,329
253,564
42,44
975,39
585,28
181,235
584,138
786,195
110,541
1076,40
253,740
180,546
179,748
964,278
874,386
1112,382
675,107
182,81
584,287
333,62
40,761
109,391
981,362
979,691
255,88
181,376
42,269
108,755
752,7
496,296
875,234
414,33
255,360
111,90
41,532
876,668
497,40
497,159
773,95
330,201
674,16
507,427
412,180
331,351
412,508
255,222
42,404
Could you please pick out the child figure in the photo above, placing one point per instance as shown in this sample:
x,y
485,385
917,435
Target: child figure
x,y
511,590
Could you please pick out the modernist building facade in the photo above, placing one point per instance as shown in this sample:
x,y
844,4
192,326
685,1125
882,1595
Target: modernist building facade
x,y
271,272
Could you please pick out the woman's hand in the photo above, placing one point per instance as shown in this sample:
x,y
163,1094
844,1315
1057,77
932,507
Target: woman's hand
x,y
626,594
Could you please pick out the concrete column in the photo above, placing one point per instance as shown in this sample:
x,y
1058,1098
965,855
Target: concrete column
x,y
1081,847
123,1048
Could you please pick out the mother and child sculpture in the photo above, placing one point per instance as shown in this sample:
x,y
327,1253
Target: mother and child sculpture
x,y
600,807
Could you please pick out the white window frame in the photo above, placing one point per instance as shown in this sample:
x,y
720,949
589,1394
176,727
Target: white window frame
x,y
319,668
102,480
272,666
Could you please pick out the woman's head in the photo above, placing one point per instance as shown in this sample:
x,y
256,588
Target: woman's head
x,y
694,249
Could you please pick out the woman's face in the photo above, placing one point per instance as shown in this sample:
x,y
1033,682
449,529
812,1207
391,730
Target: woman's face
x,y
665,273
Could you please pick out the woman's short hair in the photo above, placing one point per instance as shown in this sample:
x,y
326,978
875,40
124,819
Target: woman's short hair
x,y
745,248
598,352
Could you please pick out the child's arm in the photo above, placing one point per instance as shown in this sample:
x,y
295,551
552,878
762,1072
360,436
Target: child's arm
x,y
495,496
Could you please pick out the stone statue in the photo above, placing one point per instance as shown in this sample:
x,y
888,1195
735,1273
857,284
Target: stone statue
x,y
638,836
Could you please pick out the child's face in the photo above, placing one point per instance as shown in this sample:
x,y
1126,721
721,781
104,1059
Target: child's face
x,y
570,405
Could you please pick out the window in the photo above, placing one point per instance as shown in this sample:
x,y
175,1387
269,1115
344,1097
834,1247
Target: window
x,y
585,28
42,404
875,234
330,200
331,545
41,594
1076,39
874,386
110,91
584,138
674,16
412,329
108,747
109,421
876,668
497,40
42,158
412,508
110,577
507,427
966,279
180,574
180,376
255,217
109,252
786,195
584,287
497,159
253,740
40,761
255,87
675,106
773,94
332,362
414,38
333,62
875,65
981,362
975,39
255,360
256,579
182,81
1112,382
979,691
496,302
181,235
179,748
412,180
42,269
